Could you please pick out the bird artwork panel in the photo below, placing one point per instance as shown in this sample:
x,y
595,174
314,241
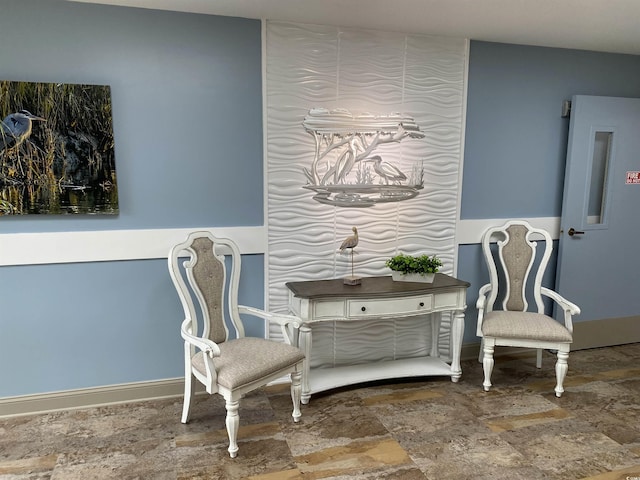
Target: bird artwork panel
x,y
57,151
348,170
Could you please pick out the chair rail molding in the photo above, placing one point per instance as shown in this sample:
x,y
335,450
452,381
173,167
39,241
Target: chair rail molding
x,y
42,248
470,231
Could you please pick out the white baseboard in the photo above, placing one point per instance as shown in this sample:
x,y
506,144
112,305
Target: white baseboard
x,y
606,332
90,397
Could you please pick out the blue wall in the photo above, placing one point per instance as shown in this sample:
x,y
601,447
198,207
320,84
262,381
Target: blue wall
x,y
188,127
187,105
82,325
516,139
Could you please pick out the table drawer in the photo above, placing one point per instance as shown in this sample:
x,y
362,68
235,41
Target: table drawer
x,y
328,309
389,306
446,300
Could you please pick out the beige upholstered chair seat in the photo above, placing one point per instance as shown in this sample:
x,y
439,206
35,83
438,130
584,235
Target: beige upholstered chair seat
x,y
246,360
525,325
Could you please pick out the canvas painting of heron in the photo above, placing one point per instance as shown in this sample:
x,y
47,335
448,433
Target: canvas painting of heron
x,y
56,149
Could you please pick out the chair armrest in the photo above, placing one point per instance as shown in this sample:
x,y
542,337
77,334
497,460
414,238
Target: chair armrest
x,y
279,318
289,323
566,305
481,305
210,350
482,296
208,346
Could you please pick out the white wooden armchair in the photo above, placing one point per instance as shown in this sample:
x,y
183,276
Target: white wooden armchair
x,y
514,325
230,367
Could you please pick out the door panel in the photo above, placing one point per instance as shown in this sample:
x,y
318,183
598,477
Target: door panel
x,y
598,266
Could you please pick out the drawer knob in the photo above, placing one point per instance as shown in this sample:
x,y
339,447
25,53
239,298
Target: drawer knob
x,y
364,309
422,304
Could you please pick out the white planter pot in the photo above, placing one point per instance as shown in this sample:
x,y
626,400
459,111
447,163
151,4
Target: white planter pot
x,y
412,277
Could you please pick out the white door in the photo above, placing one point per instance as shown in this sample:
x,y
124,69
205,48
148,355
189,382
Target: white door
x,y
599,247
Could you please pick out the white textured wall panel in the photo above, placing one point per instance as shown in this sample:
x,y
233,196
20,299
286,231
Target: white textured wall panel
x,y
382,73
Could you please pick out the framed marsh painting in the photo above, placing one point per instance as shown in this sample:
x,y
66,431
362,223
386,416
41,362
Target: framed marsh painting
x,y
56,149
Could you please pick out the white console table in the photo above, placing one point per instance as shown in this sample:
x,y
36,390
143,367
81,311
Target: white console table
x,y
380,299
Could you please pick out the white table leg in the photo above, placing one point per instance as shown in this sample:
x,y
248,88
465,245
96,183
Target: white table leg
x,y
457,331
305,346
435,334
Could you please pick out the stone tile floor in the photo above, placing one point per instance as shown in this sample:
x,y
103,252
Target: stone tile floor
x,y
426,428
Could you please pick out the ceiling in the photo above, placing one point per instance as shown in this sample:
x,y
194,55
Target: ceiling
x,y
599,25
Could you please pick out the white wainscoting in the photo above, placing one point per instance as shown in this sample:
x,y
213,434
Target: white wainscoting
x,y
470,231
113,245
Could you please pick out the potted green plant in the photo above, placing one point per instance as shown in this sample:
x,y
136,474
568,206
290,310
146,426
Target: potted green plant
x,y
409,268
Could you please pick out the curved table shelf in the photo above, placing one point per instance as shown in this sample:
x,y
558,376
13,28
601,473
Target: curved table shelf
x,y
379,299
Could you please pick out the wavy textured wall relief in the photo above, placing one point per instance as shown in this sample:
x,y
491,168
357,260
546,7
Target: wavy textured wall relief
x,y
312,69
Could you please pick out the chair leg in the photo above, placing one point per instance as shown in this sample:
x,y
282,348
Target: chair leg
x,y
296,392
233,422
561,371
539,358
487,366
481,352
189,390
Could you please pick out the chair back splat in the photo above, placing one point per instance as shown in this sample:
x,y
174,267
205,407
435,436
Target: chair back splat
x,y
207,275
517,253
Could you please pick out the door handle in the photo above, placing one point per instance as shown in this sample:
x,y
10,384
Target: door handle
x,y
572,231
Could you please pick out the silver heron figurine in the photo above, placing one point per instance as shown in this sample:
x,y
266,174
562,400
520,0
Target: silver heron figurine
x,y
386,171
16,128
351,242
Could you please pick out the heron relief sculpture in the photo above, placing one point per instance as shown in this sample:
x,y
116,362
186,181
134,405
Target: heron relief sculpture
x,y
56,149
347,171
